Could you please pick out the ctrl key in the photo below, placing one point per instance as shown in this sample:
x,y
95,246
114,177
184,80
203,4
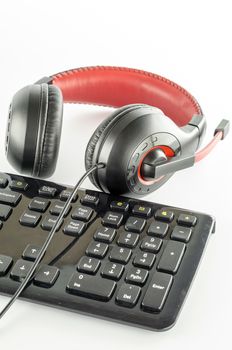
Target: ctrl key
x,y
157,292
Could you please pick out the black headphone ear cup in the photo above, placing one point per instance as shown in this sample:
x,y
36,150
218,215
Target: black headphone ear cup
x,y
98,136
50,133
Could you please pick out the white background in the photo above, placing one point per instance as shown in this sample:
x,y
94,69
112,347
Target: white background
x,y
186,41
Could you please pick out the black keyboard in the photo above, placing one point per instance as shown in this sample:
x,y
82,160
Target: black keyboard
x,y
114,257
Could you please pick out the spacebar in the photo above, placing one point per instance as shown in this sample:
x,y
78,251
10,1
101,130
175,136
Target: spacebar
x,y
94,287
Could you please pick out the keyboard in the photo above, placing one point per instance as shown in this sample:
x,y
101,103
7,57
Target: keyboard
x,y
113,257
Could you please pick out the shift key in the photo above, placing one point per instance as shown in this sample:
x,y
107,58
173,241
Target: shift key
x,y
157,292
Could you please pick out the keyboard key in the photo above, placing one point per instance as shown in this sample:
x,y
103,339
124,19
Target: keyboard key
x,y
20,270
31,252
119,206
94,287
57,207
90,200
128,239
47,191
112,219
5,212
3,181
19,185
171,257
97,249
187,220
48,223
121,255
151,244
105,234
141,210
164,215
181,233
74,228
158,229
29,218
82,213
145,260
88,265
10,197
65,194
157,292
5,264
39,204
137,276
46,276
113,271
128,295
134,224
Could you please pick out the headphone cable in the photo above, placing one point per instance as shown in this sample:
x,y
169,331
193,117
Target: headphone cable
x,y
48,239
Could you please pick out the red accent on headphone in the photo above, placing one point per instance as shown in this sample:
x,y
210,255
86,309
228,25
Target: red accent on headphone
x,y
117,86
168,152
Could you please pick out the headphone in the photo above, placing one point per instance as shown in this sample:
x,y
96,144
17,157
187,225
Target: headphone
x,y
156,130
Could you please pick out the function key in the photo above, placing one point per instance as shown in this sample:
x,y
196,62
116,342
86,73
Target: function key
x,y
181,233
57,207
113,271
30,219
171,257
19,185
128,295
97,249
94,287
164,215
39,204
47,191
141,210
65,194
121,255
88,265
5,212
112,219
5,264
90,199
82,213
20,270
3,181
137,276
187,220
135,224
48,223
105,234
119,205
157,292
151,244
46,276
128,239
31,252
74,228
158,229
145,260
10,197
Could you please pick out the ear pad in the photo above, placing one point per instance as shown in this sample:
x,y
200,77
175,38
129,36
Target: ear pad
x,y
99,135
48,145
34,128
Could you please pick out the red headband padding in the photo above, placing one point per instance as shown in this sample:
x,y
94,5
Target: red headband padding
x,y
116,86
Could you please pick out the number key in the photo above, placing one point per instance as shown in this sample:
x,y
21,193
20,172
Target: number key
x,y
145,260
97,249
121,255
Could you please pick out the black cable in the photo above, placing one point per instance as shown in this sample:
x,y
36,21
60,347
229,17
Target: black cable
x,y
48,240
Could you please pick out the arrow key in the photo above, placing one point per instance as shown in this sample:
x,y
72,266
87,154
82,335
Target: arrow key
x,y
20,270
46,276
